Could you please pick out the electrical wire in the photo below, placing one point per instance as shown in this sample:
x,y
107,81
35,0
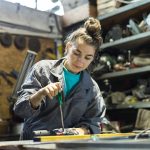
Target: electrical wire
x,y
138,135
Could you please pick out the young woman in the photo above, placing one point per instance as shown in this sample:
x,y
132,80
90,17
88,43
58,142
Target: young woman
x,y
83,107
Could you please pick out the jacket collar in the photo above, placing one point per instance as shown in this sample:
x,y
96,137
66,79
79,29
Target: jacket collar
x,y
57,70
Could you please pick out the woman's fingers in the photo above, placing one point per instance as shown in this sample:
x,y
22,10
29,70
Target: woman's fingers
x,y
47,92
52,89
59,86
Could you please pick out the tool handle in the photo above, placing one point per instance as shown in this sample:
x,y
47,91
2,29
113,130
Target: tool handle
x,y
60,98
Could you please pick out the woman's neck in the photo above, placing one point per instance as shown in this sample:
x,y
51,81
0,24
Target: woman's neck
x,y
68,68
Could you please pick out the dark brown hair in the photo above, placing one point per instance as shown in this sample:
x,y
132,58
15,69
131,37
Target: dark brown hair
x,y
90,33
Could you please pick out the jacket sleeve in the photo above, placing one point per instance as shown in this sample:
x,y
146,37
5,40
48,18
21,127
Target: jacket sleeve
x,y
95,113
22,107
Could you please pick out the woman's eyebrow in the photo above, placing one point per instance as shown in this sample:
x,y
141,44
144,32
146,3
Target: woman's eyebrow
x,y
78,50
86,55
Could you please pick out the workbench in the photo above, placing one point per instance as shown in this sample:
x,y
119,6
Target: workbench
x,y
104,143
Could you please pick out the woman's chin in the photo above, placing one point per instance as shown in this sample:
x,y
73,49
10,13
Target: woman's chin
x,y
75,70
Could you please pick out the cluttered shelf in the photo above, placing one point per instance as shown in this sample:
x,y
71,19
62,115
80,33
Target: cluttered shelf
x,y
129,42
125,73
124,12
126,37
132,106
118,16
124,65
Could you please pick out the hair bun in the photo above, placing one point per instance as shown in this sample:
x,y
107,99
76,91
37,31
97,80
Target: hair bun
x,y
93,27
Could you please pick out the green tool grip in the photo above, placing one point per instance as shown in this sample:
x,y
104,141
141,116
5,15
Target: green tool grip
x,y
60,98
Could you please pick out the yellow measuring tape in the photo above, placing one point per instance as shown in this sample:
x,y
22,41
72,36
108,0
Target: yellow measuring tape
x,y
80,137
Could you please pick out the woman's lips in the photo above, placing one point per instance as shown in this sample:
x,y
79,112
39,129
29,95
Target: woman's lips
x,y
79,67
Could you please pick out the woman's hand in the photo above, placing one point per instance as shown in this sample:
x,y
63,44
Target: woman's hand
x,y
50,90
82,131
71,131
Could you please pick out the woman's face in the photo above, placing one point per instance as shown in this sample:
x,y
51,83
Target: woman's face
x,y
79,56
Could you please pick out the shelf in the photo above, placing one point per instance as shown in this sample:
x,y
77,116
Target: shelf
x,y
129,42
124,73
117,16
135,106
127,79
128,8
124,12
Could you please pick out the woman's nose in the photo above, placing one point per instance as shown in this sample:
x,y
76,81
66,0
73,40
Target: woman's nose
x,y
80,60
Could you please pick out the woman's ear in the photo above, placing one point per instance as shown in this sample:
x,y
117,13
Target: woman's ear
x,y
67,47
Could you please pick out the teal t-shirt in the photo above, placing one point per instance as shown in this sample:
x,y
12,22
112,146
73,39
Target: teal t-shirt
x,y
71,80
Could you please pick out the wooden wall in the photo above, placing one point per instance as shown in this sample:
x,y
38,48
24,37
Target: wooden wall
x,y
12,59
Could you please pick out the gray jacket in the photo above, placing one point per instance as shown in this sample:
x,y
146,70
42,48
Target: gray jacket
x,y
83,106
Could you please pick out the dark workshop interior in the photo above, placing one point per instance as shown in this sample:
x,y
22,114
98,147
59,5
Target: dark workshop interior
x,y
29,34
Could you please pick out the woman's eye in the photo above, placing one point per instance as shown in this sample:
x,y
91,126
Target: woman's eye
x,y
88,58
76,53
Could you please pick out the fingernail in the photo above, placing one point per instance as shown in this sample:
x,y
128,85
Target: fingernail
x,y
51,97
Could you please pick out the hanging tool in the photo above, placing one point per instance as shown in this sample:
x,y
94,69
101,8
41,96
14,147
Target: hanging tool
x,y
28,62
60,101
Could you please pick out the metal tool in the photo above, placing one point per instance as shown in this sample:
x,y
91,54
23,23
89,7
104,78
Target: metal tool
x,y
61,112
28,62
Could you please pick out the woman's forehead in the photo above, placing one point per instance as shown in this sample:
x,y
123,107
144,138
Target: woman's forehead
x,y
80,42
83,47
